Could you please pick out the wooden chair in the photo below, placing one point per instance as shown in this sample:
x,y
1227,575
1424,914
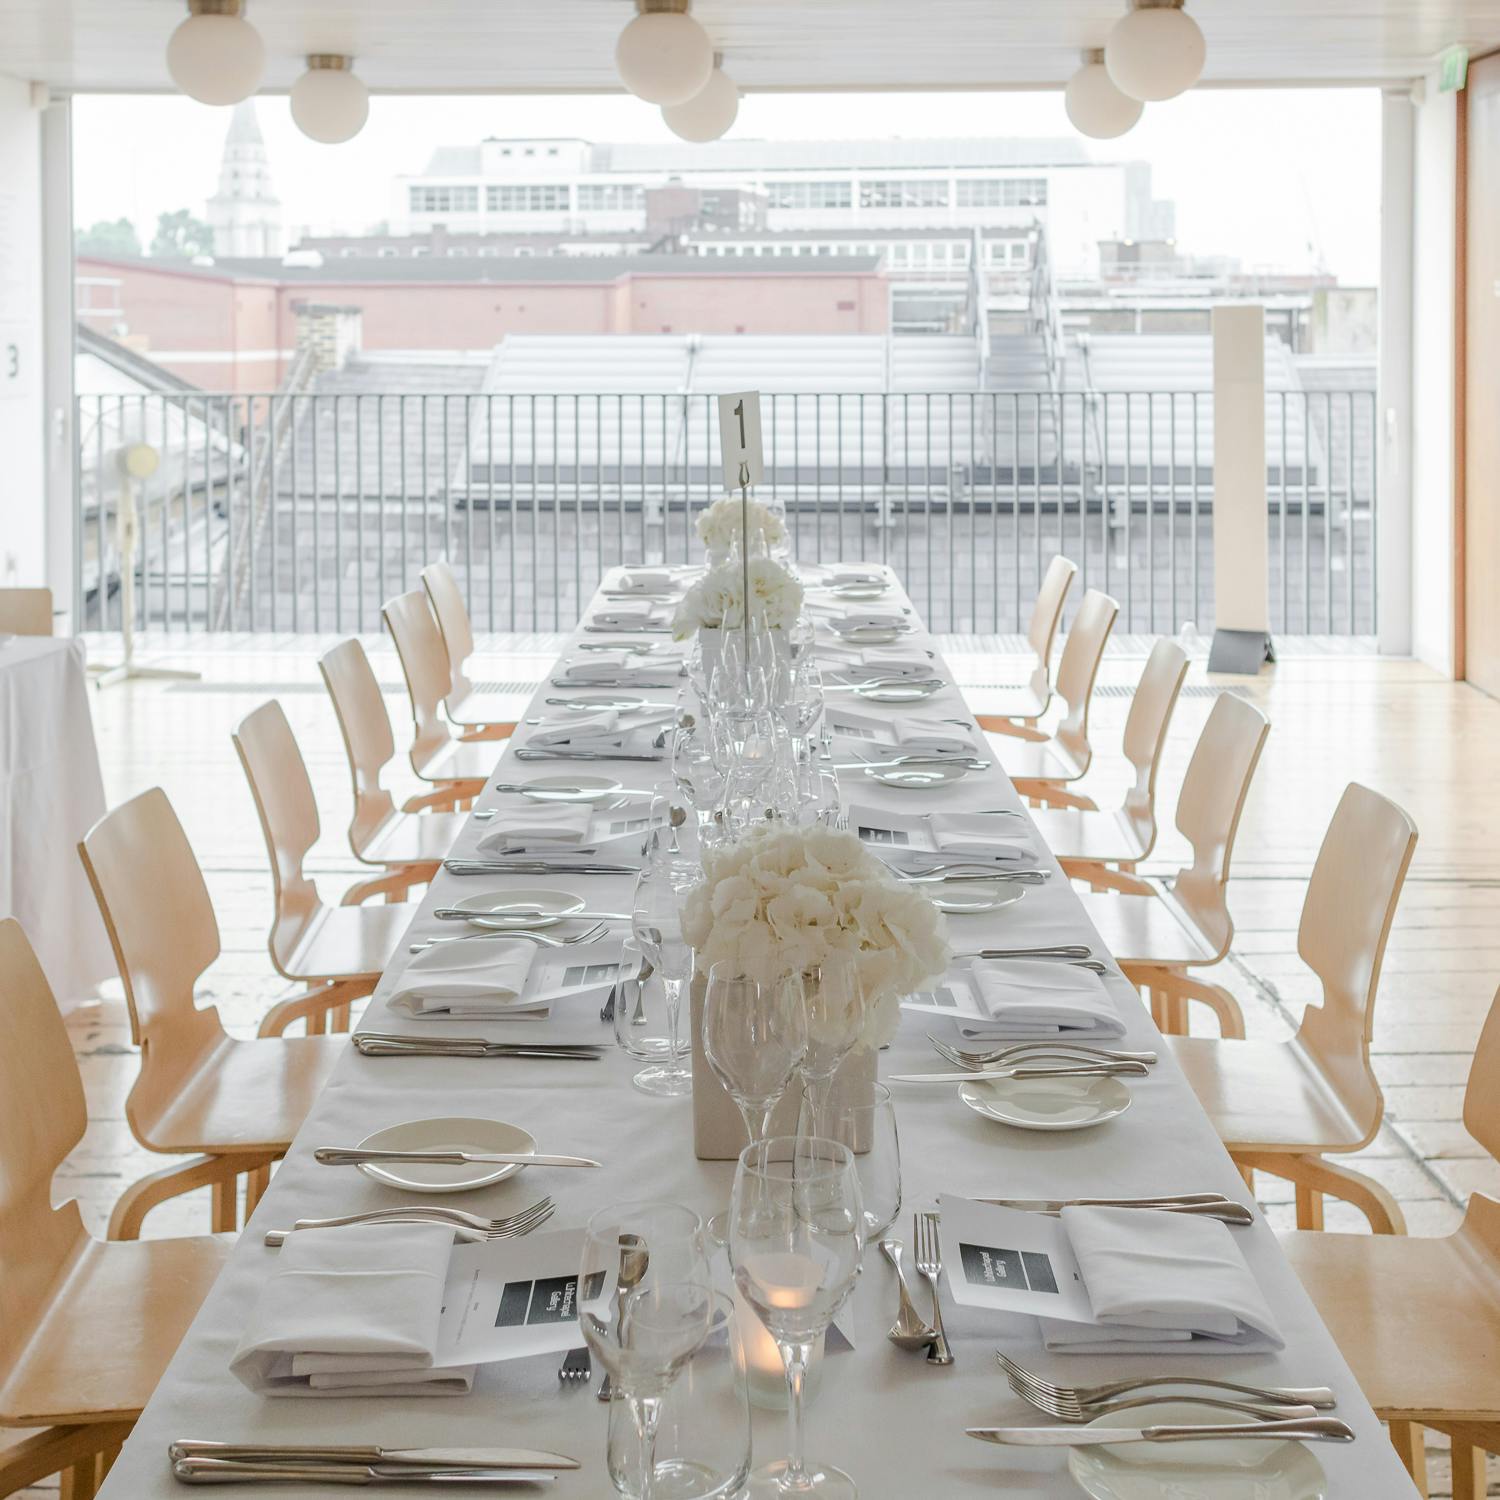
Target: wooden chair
x,y
435,756
239,1103
25,611
337,952
406,845
1157,930
1032,701
1076,831
479,715
1281,1106
1063,755
86,1326
1419,1319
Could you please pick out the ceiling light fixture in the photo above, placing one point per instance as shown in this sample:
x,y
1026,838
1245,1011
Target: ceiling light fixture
x,y
1156,51
329,103
664,56
710,112
1095,106
216,56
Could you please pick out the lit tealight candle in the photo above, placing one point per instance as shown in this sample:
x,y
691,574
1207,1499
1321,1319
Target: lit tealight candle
x,y
783,1280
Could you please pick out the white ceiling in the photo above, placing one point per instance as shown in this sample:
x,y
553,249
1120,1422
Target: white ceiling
x,y
479,46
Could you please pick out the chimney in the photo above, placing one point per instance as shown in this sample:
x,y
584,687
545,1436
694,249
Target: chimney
x,y
330,332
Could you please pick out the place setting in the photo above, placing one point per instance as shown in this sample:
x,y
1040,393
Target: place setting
x,y
621,667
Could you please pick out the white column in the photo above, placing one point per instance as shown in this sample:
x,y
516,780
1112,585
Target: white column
x,y
1241,635
59,318
1393,483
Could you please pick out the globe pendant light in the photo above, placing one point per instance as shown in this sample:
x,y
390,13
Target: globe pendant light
x,y
710,112
1156,51
216,56
664,56
329,103
1094,105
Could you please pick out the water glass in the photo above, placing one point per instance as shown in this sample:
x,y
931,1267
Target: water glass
x,y
656,924
702,1449
754,1035
640,1016
864,1120
834,997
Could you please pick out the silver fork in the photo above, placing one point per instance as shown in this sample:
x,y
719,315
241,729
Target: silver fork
x,y
1316,1396
965,1057
1066,1411
541,939
466,1225
929,1263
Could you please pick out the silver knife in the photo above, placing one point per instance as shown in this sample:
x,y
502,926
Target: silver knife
x,y
466,1458
1225,1210
223,1471
350,1156
1304,1429
1083,1070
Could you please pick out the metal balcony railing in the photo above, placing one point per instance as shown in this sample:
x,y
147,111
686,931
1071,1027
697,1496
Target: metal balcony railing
x,y
304,511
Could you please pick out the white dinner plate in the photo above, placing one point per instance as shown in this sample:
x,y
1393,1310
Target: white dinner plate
x,y
870,635
963,898
570,788
1047,1103
456,1134
1216,1469
601,703
489,908
858,590
902,692
918,778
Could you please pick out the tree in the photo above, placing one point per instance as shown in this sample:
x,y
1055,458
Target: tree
x,y
108,237
181,236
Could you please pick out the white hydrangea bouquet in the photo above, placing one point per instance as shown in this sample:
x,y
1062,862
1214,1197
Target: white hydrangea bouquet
x,y
717,600
781,901
726,522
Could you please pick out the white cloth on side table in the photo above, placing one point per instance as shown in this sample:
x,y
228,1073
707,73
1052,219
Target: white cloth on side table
x,y
1162,1283
352,1311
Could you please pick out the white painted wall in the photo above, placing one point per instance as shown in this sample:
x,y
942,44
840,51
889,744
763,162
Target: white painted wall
x,y
23,505
1432,380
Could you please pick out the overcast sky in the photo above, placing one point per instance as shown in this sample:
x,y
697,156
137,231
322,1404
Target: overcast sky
x,y
1286,180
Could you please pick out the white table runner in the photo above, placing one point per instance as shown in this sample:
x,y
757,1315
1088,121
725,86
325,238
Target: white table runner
x,y
890,1419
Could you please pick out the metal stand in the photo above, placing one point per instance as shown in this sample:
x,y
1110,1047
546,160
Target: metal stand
x,y
1240,653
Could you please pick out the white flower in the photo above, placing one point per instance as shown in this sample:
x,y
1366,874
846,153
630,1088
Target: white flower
x,y
717,599
724,524
782,901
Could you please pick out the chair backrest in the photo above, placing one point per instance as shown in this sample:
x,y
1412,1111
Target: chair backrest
x,y
42,1118
1146,728
1046,616
424,664
288,811
1346,919
1482,1099
1209,805
368,742
25,611
453,624
160,920
1082,653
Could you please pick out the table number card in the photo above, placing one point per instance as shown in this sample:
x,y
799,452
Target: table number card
x,y
740,441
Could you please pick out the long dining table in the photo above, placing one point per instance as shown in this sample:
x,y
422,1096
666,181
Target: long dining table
x,y
892,1420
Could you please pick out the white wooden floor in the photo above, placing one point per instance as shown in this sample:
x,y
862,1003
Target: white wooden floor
x,y
1335,717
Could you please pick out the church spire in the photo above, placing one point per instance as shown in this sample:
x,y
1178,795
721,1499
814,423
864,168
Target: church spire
x,y
245,213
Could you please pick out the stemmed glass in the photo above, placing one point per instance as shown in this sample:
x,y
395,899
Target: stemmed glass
x,y
655,1320
754,1035
656,925
866,1123
835,1001
796,1238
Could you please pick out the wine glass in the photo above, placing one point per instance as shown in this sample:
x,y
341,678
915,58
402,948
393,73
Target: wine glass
x,y
865,1122
834,997
645,1305
796,1238
656,925
754,1035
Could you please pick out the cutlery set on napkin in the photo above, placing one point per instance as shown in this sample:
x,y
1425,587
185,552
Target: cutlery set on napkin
x,y
1014,999
621,669
517,980
867,733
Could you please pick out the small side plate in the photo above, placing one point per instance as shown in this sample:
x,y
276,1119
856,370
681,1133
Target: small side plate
x,y
870,635
489,908
451,1134
961,899
900,692
571,788
918,778
1047,1103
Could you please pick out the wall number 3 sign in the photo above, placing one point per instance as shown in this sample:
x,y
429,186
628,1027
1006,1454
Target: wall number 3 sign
x,y
16,365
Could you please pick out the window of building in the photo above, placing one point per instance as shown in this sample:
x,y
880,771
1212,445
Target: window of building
x,y
903,192
610,197
1018,253
939,253
1002,192
420,250
456,251
526,197
426,199
809,195
386,252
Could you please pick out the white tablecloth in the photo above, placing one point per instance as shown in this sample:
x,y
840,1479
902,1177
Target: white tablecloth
x,y
51,794
893,1421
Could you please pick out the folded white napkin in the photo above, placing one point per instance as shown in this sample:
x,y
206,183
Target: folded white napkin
x,y
868,620
1161,1282
623,666
907,731
1038,998
551,823
494,990
979,833
352,1311
573,726
628,619
853,573
915,844
647,580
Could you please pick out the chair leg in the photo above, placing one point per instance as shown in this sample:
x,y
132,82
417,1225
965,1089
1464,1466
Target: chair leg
x,y
1309,1207
1248,1173
81,1481
225,1206
257,1180
1469,1481
1410,1443
1055,794
1181,988
329,1000
56,1450
172,1182
393,885
1319,1175
1021,729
